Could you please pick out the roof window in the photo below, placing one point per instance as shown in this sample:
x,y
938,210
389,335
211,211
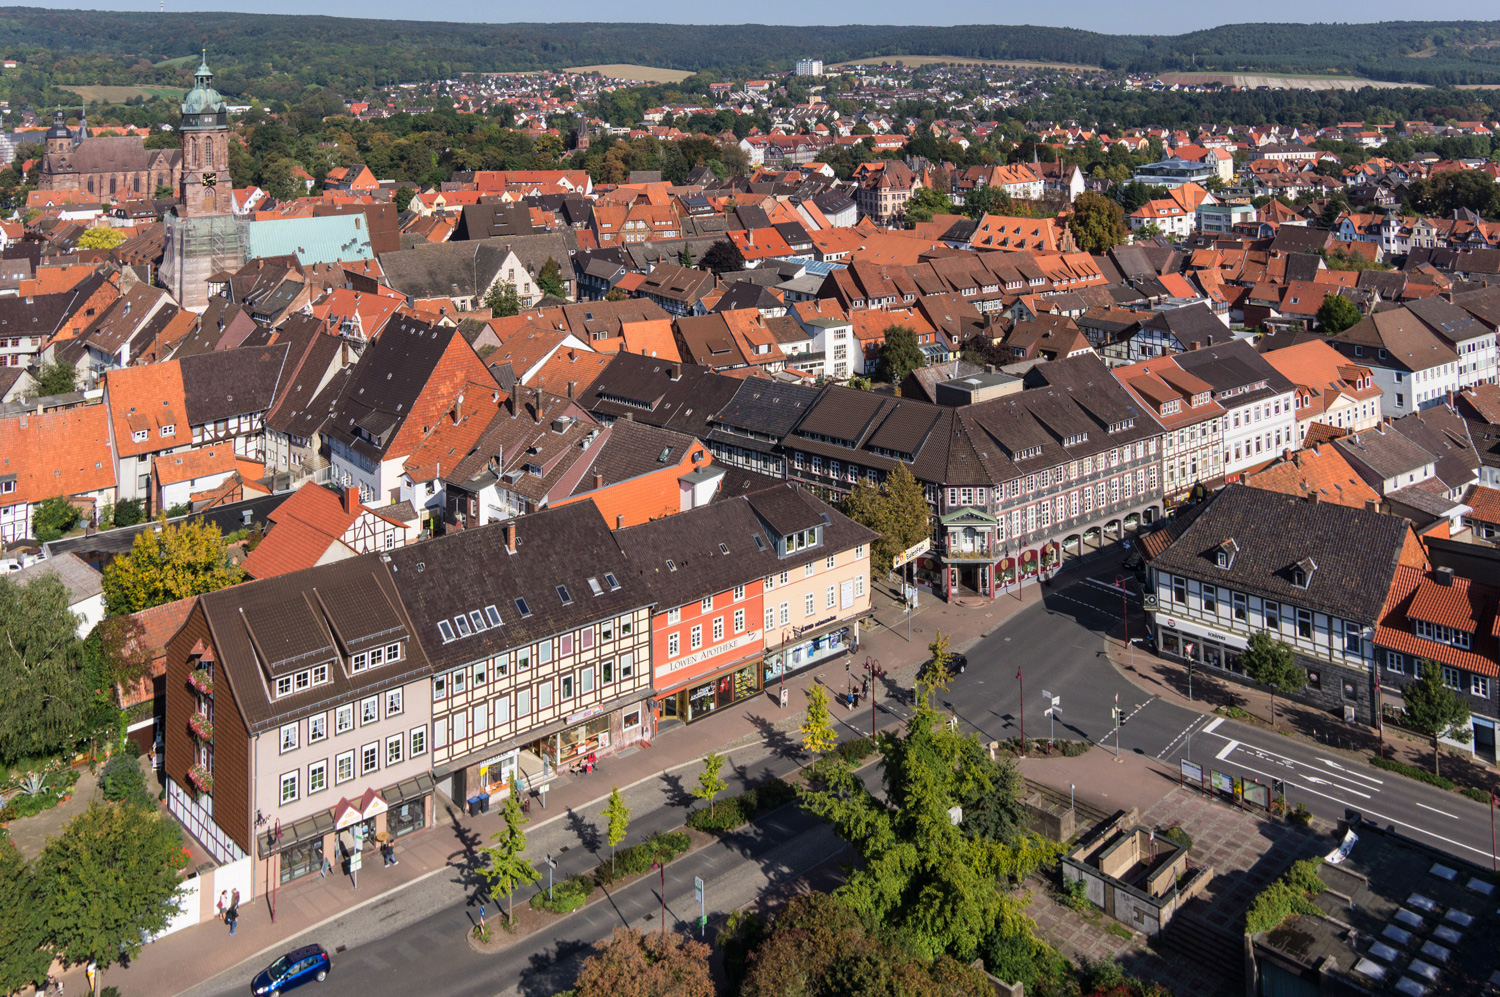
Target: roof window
x,y
562,593
611,581
522,608
492,615
446,630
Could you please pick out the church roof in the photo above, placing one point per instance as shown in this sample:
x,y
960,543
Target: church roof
x,y
203,97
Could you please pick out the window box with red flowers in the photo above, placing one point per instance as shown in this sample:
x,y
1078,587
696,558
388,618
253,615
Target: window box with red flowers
x,y
201,778
201,726
202,680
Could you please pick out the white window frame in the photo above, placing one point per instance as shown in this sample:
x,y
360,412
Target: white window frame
x,y
366,752
343,718
343,761
317,777
289,737
317,728
290,780
395,749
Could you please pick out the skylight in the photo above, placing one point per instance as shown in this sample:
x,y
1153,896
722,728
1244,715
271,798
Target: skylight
x,y
522,608
723,548
463,626
611,581
493,615
671,564
446,630
562,593
477,618
595,587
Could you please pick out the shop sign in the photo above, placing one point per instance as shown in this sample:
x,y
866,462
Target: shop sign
x,y
914,551
700,656
584,715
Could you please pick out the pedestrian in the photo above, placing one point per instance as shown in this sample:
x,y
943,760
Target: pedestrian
x,y
223,903
234,898
232,918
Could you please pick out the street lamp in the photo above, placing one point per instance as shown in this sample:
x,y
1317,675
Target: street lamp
x,y
551,864
1125,615
663,867
1071,792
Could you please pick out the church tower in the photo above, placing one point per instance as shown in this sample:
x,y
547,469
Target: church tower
x,y
59,139
203,234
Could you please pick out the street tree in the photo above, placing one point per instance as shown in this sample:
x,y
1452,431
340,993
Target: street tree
x,y
936,677
897,510
617,816
1435,710
24,959
900,355
109,881
710,782
43,691
1336,314
183,559
508,868
502,300
1271,663
57,378
1097,223
651,964
817,728
100,237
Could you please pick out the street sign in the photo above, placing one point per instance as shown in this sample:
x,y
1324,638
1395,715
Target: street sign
x,y
698,889
911,553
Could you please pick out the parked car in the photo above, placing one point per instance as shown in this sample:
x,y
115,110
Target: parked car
x,y
289,972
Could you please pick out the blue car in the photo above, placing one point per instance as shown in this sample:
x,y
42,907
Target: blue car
x,y
297,967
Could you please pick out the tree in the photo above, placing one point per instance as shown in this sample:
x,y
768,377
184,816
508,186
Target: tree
x,y
897,510
617,814
100,237
1147,232
129,512
710,783
402,198
163,192
900,355
685,258
1435,710
1271,663
550,279
183,559
110,880
43,693
53,517
925,203
57,378
502,300
508,868
633,964
723,257
1336,314
987,200
1098,223
24,960
936,677
817,728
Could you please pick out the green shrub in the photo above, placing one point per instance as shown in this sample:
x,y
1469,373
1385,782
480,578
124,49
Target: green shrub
x,y
776,793
122,777
1075,895
129,512
856,750
133,748
725,816
638,859
1477,795
1412,772
1178,836
1291,894
567,896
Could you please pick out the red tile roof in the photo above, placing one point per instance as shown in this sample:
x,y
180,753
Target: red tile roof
x,y
57,453
1418,593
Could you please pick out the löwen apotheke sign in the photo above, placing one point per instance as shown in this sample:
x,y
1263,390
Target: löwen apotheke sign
x,y
702,655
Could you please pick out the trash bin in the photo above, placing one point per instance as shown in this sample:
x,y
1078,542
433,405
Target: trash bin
x,y
484,803
473,806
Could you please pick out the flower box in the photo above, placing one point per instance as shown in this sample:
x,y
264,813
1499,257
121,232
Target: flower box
x,y
202,778
202,681
201,726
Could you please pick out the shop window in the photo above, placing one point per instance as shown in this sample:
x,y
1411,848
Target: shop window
x,y
301,860
632,719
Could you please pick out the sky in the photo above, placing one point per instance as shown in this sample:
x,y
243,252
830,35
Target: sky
x,y
1113,16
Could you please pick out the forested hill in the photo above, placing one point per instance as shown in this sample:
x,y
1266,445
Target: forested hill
x,y
349,53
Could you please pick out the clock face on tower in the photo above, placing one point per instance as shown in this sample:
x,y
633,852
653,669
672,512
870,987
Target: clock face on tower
x,y
210,180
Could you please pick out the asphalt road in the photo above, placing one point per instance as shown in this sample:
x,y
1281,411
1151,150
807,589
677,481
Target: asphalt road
x,y
415,940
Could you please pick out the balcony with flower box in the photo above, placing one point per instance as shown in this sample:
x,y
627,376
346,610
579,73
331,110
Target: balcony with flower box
x,y
201,726
201,778
201,680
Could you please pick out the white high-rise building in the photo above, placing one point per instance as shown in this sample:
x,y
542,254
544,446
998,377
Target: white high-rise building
x,y
809,67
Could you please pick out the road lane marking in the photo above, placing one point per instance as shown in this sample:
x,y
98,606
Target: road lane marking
x,y
1351,772
1113,590
1227,749
1437,811
1186,732
1213,726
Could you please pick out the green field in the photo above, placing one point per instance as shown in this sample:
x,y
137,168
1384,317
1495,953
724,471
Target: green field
x,y
119,95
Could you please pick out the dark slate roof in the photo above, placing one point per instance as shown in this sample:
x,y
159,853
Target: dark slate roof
x,y
787,509
1235,365
1300,239
1195,323
1385,453
765,408
264,629
745,294
642,388
472,569
1443,433
380,390
1448,320
632,449
227,383
484,221
1356,550
1303,266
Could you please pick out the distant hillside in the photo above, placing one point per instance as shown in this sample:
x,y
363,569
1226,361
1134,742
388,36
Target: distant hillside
x,y
248,50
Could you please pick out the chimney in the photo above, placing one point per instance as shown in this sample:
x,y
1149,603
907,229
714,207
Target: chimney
x,y
572,390
510,537
536,407
675,371
1372,505
1312,498
598,480
1443,576
619,522
630,417
351,500
458,408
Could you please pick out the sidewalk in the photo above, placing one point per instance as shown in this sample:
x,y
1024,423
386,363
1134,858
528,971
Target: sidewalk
x,y
758,726
1169,680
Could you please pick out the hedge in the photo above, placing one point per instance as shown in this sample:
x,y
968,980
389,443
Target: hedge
x,y
1477,795
567,896
639,858
1412,772
734,811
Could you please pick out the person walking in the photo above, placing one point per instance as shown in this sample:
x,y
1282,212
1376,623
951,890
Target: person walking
x,y
223,903
232,918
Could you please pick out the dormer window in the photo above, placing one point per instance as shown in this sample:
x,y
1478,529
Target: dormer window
x,y
169,430
1440,633
1302,572
141,435
1224,555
